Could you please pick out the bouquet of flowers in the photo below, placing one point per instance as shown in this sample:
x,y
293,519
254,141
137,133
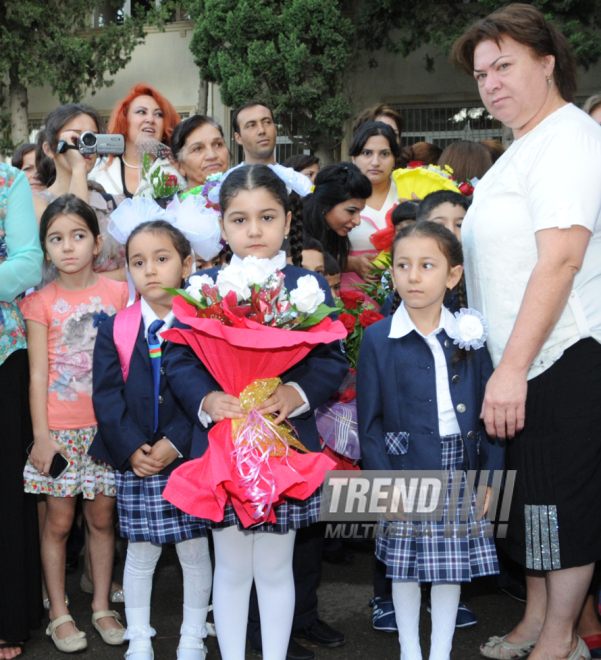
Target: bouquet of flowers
x,y
247,329
356,314
420,180
158,177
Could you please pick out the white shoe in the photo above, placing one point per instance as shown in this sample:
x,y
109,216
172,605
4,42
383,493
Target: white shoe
x,y
142,650
112,636
191,648
71,644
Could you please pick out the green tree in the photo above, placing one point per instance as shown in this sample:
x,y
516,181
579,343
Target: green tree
x,y
290,54
48,42
402,27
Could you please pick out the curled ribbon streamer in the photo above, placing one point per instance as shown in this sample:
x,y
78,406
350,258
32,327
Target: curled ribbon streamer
x,y
256,439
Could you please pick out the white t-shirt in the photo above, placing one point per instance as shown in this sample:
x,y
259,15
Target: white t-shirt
x,y
371,221
549,178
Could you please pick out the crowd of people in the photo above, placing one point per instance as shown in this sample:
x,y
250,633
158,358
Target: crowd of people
x,y
90,254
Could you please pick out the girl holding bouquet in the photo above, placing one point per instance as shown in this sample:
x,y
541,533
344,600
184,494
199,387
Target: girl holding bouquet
x,y
144,434
419,400
62,324
255,221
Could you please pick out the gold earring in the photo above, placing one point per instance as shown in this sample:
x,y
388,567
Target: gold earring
x,y
550,80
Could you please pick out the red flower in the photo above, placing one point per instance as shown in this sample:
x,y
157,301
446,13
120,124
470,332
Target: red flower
x,y
466,189
348,321
415,163
369,317
351,299
171,180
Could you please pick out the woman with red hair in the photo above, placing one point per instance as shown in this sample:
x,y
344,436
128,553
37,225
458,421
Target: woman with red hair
x,y
143,115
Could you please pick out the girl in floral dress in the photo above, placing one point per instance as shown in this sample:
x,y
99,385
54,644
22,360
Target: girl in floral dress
x,y
62,323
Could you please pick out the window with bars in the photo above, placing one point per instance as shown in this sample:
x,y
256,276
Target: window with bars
x,y
443,125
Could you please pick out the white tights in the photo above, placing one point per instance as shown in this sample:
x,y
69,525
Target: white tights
x,y
240,557
406,596
142,558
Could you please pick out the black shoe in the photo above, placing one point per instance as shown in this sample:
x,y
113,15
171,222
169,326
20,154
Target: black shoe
x,y
295,652
516,591
342,556
318,632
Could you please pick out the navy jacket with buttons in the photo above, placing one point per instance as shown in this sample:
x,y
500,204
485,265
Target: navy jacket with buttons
x,y
319,374
397,407
125,410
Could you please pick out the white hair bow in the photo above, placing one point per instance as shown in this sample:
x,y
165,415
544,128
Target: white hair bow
x,y
197,222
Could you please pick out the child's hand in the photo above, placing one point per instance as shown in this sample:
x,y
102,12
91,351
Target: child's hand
x,y
486,501
219,406
43,452
143,464
284,400
164,452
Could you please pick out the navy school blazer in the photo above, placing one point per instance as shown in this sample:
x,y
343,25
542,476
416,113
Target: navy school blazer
x,y
396,400
125,410
320,374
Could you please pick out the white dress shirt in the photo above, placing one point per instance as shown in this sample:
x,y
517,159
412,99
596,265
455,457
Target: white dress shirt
x,y
402,325
277,263
148,317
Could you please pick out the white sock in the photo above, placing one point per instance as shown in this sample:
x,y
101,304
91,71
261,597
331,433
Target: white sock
x,y
231,589
407,596
272,569
139,568
445,601
196,566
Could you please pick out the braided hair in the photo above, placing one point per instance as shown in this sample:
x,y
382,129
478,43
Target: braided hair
x,y
296,229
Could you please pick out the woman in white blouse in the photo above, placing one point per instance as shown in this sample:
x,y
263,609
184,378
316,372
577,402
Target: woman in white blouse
x,y
532,243
374,150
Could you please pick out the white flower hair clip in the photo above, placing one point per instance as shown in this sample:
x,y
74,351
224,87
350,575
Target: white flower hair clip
x,y
469,330
295,181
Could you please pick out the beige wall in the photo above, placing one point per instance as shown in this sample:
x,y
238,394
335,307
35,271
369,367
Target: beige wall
x,y
165,62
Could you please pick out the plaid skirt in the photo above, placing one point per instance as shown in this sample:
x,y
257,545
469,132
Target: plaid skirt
x,y
427,556
144,515
292,514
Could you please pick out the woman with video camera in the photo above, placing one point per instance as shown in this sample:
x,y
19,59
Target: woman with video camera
x,y
64,126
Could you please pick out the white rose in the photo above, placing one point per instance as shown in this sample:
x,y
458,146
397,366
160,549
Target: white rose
x,y
307,296
470,327
195,293
257,270
198,281
233,278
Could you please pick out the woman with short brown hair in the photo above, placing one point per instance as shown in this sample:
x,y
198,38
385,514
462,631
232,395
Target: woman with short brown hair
x,y
532,244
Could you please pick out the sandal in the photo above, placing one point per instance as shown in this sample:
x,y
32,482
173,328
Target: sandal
x,y
71,644
47,602
13,645
116,595
492,648
112,636
581,651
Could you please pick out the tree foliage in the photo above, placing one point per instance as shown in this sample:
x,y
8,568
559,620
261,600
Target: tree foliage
x,y
290,54
48,42
403,27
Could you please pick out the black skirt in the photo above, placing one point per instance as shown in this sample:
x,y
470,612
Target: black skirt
x,y
554,520
20,575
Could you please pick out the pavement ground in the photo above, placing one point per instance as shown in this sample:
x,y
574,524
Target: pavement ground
x,y
344,595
